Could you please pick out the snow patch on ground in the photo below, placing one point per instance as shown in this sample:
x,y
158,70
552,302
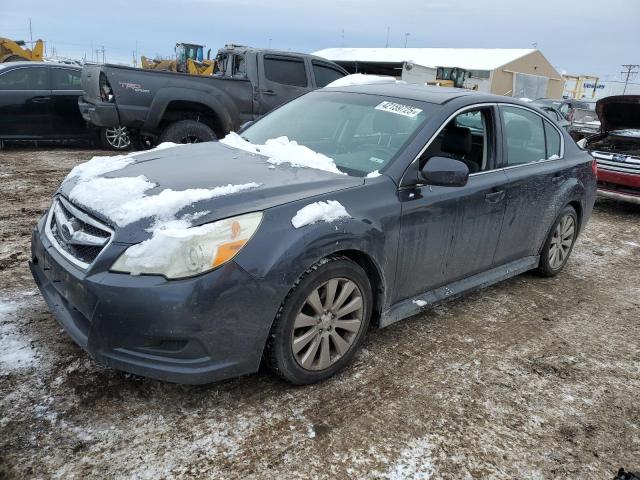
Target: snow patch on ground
x,y
16,351
328,211
362,79
282,150
413,462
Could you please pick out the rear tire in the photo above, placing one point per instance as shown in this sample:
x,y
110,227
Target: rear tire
x,y
187,131
116,138
559,244
312,328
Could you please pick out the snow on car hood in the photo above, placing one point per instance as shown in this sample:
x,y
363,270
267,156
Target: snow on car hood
x,y
192,184
619,112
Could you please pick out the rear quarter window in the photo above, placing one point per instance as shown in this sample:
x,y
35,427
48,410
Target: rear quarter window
x,y
553,141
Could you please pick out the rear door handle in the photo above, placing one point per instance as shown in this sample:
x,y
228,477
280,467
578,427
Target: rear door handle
x,y
40,99
268,92
494,197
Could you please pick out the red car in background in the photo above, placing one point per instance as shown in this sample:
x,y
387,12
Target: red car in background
x,y
617,147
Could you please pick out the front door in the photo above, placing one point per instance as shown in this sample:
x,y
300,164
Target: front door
x,y
281,78
25,102
448,233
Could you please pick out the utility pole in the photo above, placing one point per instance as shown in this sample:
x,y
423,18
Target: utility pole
x,y
386,45
270,42
104,59
30,33
630,71
342,41
406,39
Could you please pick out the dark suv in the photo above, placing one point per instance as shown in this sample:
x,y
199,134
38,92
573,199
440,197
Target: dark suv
x,y
282,244
39,101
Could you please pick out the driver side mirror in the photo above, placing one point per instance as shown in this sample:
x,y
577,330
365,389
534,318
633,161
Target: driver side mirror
x,y
444,172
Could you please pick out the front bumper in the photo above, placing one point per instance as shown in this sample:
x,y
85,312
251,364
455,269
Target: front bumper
x,y
619,185
197,330
99,114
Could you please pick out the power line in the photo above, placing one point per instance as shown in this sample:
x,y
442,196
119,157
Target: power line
x,y
629,72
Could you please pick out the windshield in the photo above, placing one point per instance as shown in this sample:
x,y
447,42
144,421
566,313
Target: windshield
x,y
360,133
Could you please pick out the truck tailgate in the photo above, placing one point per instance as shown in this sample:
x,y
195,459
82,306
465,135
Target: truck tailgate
x,y
91,83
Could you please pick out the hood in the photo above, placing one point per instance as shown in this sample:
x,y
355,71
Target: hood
x,y
211,165
619,112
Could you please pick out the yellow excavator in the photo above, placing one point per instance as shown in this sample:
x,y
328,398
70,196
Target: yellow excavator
x,y
189,59
14,51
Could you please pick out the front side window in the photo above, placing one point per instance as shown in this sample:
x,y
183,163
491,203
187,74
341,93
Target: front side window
x,y
65,79
288,71
29,78
361,133
324,75
467,138
524,136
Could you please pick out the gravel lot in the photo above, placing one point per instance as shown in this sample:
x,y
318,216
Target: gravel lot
x,y
532,378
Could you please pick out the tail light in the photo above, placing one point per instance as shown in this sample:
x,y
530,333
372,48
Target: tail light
x,y
594,167
106,92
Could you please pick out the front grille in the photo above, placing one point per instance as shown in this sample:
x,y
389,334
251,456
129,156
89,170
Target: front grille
x,y
76,235
616,162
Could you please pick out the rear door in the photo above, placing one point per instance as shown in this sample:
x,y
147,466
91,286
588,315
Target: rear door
x,y
535,170
281,78
448,233
66,88
25,102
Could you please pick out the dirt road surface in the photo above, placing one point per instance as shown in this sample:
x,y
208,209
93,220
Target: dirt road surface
x,y
532,378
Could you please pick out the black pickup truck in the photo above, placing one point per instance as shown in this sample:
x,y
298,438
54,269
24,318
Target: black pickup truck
x,y
182,108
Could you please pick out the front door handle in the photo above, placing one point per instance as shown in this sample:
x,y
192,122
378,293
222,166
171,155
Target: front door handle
x,y
494,197
40,99
268,92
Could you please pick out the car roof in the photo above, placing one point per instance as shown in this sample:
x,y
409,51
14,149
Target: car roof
x,y
27,63
424,93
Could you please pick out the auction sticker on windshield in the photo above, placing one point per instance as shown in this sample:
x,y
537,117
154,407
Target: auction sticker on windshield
x,y
398,108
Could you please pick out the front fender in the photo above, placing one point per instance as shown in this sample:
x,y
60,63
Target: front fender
x,y
279,253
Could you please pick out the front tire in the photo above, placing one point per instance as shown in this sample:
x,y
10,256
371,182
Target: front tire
x,y
187,131
559,244
321,323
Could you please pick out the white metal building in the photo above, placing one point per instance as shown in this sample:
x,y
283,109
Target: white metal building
x,y
505,71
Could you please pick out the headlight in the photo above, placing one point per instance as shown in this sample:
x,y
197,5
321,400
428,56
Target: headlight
x,y
184,252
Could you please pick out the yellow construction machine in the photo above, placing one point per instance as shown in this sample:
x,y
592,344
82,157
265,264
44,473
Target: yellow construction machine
x,y
14,51
189,59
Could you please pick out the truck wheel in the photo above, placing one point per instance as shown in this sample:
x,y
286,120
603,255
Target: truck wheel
x,y
187,131
115,138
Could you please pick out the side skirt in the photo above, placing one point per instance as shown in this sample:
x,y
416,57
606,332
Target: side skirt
x,y
415,305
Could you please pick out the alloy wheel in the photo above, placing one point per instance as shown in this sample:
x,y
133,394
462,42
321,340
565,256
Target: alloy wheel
x,y
327,324
561,241
118,137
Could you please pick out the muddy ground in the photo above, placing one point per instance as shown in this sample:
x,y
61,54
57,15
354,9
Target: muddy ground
x,y
532,378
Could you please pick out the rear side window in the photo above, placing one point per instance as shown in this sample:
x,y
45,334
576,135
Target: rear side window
x,y
30,78
524,135
324,75
553,141
65,79
288,71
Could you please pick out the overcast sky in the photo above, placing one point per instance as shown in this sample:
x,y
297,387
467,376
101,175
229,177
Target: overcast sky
x,y
584,36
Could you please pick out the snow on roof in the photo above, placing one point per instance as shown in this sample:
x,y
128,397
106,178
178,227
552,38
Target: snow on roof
x,y
469,58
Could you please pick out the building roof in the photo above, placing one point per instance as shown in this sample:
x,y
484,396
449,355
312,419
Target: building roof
x,y
468,58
